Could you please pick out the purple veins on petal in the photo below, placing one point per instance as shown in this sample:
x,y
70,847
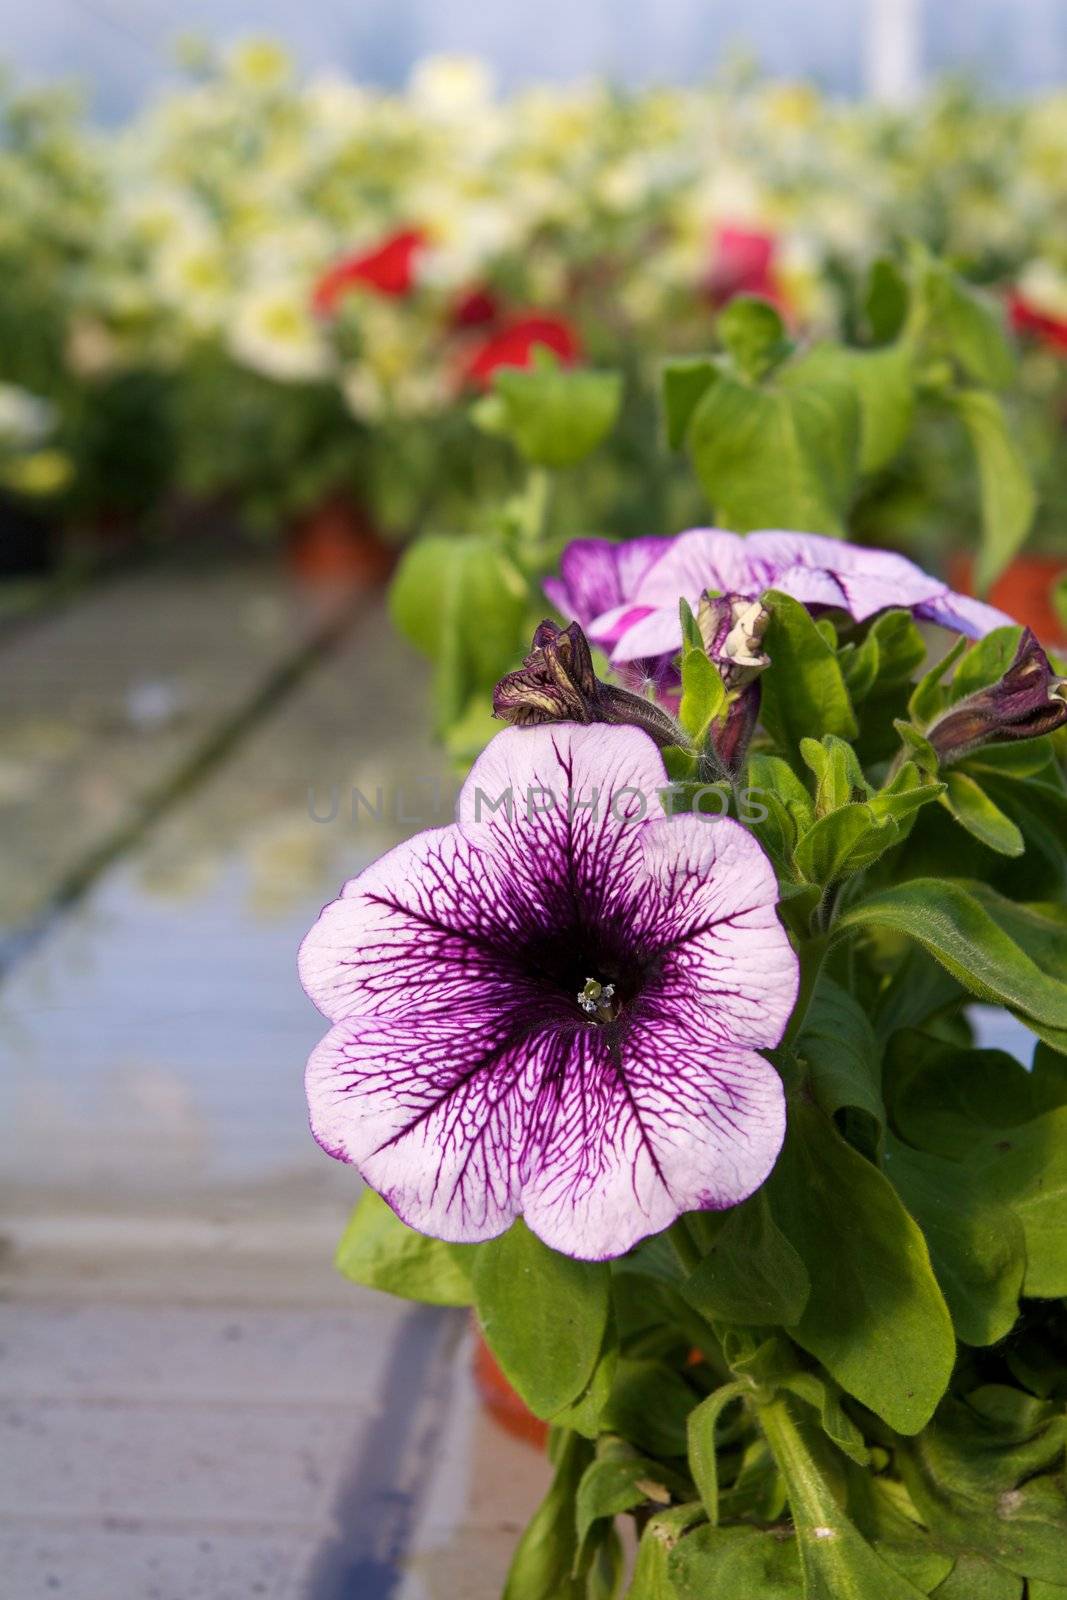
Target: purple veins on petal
x,y
554,1008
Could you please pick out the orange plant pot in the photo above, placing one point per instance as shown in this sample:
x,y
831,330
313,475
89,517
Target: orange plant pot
x,y
336,544
500,1399
1024,591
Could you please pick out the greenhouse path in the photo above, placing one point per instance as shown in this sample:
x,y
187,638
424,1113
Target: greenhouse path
x,y
193,1405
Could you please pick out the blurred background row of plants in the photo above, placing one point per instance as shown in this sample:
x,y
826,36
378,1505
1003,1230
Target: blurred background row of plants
x,y
270,305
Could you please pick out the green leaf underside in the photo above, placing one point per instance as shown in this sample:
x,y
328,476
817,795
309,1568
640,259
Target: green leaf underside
x,y
381,1252
543,1314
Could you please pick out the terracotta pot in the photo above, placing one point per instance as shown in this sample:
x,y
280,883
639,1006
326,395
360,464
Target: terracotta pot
x,y
337,544
1024,591
500,1399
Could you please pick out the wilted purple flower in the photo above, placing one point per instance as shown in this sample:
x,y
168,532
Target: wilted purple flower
x,y
643,624
556,683
1026,702
554,1006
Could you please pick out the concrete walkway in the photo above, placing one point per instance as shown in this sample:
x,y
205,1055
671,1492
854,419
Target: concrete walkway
x,y
193,1405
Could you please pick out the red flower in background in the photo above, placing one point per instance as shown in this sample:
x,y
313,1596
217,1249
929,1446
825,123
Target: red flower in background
x,y
743,263
388,269
474,308
514,344
1026,318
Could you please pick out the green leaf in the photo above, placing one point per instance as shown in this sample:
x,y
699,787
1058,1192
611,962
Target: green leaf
x,y
703,1448
976,1245
837,1562
617,1481
651,1580
461,602
844,842
381,1252
543,1563
736,1563
967,801
886,299
810,433
750,1272
973,1578
965,926
876,1317
703,694
804,693
556,416
1025,1167
1008,498
970,327
886,657
929,696
838,775
985,1474
754,335
985,662
543,1314
684,385
843,1056
884,388
947,1100
650,1405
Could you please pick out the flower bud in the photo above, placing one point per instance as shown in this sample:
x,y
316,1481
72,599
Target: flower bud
x,y
1028,700
556,683
732,629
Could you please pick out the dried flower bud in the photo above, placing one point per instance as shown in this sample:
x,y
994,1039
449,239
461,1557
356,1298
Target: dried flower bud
x,y
732,629
1029,700
556,683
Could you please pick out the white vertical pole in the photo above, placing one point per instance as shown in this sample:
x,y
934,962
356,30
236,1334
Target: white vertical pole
x,y
894,51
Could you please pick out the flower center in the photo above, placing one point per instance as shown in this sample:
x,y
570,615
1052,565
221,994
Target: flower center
x,y
597,1000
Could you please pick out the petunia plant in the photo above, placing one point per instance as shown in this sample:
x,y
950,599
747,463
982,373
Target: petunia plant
x,y
716,1056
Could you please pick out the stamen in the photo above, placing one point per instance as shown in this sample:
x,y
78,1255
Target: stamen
x,y
595,1000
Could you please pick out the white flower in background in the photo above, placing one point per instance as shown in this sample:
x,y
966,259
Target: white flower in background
x,y
25,419
336,106
450,86
92,349
466,236
798,269
1043,286
160,217
194,280
273,331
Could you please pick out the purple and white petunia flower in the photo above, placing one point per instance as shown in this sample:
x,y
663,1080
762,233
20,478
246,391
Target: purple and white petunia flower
x,y
641,622
555,1006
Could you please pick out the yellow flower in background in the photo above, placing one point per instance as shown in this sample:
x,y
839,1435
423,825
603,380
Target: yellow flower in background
x,y
39,475
260,63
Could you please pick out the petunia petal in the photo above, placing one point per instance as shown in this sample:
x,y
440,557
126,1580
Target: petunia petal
x,y
596,575
597,1142
719,948
664,1124
425,926
563,806
963,615
702,558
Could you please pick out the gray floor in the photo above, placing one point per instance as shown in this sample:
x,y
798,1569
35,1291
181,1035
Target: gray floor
x,y
192,1403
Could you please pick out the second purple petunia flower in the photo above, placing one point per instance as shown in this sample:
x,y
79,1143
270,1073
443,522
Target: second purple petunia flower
x,y
554,1007
626,596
